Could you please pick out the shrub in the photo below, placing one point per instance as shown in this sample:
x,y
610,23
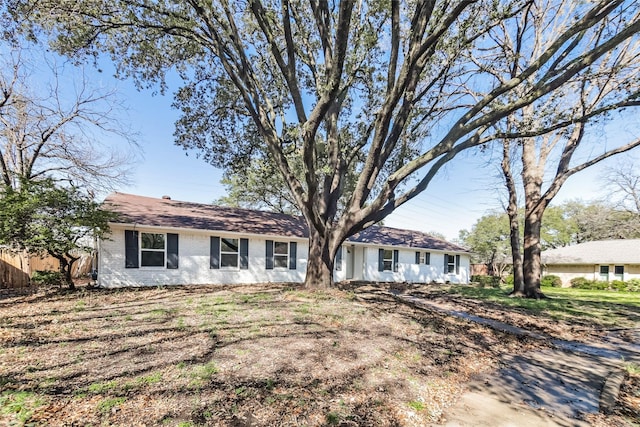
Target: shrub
x,y
600,285
583,283
47,278
618,285
551,280
633,285
509,280
486,281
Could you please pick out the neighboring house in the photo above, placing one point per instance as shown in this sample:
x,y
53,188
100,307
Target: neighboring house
x,y
168,242
600,260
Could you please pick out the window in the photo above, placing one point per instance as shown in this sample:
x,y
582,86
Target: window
x,y
387,260
280,254
604,272
228,253
618,271
451,263
152,249
423,258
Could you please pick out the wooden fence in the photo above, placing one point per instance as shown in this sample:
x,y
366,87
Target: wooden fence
x,y
17,268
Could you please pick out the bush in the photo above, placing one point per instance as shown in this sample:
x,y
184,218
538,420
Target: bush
x,y
486,281
509,280
551,280
47,278
633,285
583,283
618,285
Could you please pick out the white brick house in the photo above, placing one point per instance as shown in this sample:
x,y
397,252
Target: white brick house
x,y
168,242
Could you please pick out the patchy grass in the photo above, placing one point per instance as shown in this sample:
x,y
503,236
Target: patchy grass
x,y
252,355
628,405
574,307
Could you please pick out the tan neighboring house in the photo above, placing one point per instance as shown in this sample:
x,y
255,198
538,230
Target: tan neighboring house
x,y
600,260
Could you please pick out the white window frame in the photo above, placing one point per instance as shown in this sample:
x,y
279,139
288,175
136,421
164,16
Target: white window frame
x,y
425,258
386,260
617,275
236,253
281,255
601,274
451,264
163,250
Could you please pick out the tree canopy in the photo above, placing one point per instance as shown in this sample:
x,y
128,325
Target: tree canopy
x,y
374,95
569,223
42,218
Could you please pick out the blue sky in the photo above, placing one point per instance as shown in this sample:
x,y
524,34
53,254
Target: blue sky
x,y
462,192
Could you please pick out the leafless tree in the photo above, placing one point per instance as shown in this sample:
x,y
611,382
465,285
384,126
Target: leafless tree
x,y
623,184
55,124
546,135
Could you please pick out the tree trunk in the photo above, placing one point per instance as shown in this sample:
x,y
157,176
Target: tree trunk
x,y
514,224
532,263
66,268
320,262
516,255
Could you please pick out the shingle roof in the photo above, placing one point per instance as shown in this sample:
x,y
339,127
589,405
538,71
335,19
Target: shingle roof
x,y
387,236
169,213
625,251
175,214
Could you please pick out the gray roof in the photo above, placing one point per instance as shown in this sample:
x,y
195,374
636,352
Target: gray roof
x,y
149,211
387,236
625,251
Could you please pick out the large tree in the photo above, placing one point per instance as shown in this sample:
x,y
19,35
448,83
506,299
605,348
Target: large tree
x,y
53,122
549,133
384,90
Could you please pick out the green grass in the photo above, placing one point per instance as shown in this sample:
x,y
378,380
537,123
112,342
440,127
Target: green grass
x,y
102,387
633,368
20,404
605,308
203,373
416,405
108,404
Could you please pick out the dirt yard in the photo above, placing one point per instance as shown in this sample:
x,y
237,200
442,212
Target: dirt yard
x,y
236,356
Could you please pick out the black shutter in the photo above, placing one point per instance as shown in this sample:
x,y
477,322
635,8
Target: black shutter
x,y
417,257
427,258
395,260
269,255
457,264
244,254
130,249
446,264
293,253
172,251
380,259
214,254
338,261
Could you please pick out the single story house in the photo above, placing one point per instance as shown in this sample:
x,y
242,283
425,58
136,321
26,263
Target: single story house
x,y
599,260
168,242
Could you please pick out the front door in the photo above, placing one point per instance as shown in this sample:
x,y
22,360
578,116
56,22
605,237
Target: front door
x,y
350,251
